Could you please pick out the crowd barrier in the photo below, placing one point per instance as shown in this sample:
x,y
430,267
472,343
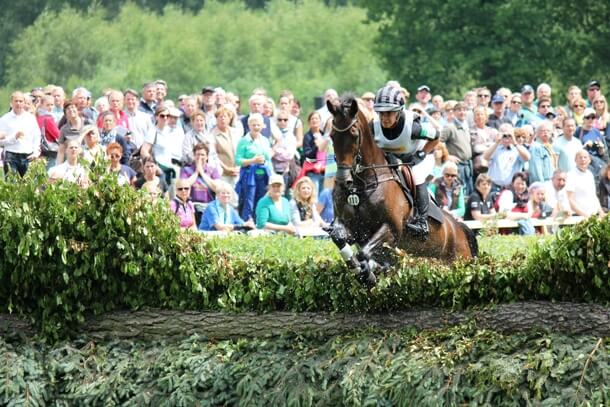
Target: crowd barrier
x,y
511,224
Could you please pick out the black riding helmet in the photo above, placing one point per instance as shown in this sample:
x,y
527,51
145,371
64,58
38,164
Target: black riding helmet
x,y
389,99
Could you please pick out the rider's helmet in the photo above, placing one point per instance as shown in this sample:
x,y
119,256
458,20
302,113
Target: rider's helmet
x,y
389,99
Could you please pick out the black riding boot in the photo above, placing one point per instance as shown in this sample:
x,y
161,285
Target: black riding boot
x,y
419,226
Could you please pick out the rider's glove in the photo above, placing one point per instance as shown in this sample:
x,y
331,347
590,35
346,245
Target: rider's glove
x,y
416,158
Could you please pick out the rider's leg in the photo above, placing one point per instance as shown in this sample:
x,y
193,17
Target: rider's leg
x,y
419,225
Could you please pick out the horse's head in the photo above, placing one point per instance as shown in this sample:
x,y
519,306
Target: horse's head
x,y
347,128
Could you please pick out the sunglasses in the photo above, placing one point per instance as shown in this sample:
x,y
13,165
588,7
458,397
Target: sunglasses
x,y
515,102
163,116
581,106
589,117
282,120
183,189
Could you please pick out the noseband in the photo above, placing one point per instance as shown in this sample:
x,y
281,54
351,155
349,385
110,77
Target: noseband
x,y
345,129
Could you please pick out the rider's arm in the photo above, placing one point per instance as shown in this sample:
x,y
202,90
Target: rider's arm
x,y
430,146
423,131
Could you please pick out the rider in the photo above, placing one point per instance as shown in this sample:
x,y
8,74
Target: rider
x,y
401,133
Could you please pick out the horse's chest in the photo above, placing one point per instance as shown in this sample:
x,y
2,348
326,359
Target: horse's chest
x,y
362,216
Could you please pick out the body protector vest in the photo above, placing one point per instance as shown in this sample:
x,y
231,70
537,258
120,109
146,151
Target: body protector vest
x,y
411,138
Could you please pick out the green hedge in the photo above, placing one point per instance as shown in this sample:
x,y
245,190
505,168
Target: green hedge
x,y
71,252
454,367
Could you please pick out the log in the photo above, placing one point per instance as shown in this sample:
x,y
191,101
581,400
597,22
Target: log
x,y
563,317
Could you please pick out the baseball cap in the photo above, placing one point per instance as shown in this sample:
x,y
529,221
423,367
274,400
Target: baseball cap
x,y
208,89
594,84
423,87
588,112
497,99
276,179
527,89
172,111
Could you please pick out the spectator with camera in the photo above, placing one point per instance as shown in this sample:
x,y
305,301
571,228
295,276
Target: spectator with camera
x,y
593,142
506,157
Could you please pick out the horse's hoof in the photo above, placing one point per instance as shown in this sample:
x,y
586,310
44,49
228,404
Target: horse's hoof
x,y
367,279
366,275
370,280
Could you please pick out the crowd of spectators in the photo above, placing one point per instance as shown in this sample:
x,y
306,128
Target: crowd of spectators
x,y
505,154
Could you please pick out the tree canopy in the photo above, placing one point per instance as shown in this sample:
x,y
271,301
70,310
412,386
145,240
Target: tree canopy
x,y
306,45
452,45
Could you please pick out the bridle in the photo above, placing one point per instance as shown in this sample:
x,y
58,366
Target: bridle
x,y
346,174
344,171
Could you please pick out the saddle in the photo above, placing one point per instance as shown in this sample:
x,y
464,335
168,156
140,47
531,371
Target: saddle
x,y
404,177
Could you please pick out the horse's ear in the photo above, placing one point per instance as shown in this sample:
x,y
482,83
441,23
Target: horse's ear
x,y
353,109
331,108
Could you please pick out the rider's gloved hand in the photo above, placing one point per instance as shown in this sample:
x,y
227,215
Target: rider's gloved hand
x,y
416,158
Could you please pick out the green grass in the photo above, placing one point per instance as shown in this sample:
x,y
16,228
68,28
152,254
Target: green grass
x,y
506,246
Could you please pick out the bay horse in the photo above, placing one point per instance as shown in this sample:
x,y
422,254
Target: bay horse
x,y
371,208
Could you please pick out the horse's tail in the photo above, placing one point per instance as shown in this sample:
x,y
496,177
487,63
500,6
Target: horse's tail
x,y
472,239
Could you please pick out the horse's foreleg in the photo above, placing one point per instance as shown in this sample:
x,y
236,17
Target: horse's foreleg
x,y
341,239
384,235
374,247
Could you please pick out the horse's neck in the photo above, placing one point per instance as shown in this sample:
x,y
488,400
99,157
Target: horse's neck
x,y
375,153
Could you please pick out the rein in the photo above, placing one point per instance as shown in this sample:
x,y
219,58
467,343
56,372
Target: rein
x,y
357,168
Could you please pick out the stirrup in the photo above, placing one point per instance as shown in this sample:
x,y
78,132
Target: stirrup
x,y
419,228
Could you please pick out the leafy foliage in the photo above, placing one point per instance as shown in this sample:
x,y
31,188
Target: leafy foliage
x,y
457,366
576,264
71,252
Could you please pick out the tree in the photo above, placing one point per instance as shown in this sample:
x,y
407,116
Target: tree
x,y
454,45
